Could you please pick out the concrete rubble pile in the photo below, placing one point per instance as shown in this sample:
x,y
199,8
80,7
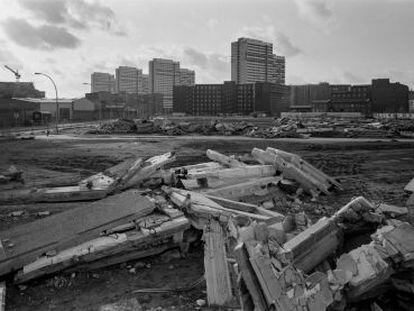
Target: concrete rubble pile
x,y
120,126
284,127
12,174
254,256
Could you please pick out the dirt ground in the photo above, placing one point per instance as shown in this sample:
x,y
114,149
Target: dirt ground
x,y
378,170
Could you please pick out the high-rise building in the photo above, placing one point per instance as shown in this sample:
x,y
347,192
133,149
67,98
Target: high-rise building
x,y
164,74
127,79
253,61
187,77
280,65
102,82
143,87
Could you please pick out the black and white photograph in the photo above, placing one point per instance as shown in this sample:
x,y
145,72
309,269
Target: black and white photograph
x,y
232,155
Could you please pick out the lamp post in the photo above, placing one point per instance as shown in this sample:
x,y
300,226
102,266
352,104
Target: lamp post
x,y
57,103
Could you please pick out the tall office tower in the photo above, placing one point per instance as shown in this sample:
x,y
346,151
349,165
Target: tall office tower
x,y
253,61
127,79
164,74
187,77
280,62
143,86
102,82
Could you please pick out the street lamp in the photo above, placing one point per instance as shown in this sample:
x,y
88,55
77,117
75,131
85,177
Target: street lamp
x,y
57,103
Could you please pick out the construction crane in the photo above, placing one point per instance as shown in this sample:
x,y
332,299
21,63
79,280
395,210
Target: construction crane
x,y
16,73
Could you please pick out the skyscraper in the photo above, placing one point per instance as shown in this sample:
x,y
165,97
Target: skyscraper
x,y
164,74
253,61
143,87
187,77
127,79
102,82
280,64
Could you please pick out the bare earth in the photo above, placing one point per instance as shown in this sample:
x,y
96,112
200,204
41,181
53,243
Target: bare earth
x,y
378,170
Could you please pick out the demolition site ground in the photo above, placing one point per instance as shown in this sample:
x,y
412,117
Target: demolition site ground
x,y
375,169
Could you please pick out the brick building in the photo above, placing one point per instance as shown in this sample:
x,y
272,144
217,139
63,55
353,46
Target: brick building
x,y
377,97
231,98
346,98
389,97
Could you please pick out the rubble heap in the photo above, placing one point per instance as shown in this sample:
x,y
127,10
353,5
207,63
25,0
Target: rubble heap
x,y
139,208
321,126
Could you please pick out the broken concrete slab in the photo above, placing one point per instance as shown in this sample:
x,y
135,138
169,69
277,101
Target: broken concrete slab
x,y
148,168
110,246
60,231
372,270
2,296
290,171
219,292
313,245
392,210
96,182
131,304
306,167
400,240
58,194
203,208
410,186
236,173
223,159
247,191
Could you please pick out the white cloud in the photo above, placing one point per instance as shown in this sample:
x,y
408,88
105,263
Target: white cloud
x,y
282,43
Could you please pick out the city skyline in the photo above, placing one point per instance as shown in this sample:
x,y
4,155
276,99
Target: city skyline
x,y
335,41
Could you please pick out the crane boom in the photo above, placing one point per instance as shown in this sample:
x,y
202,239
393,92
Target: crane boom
x,y
16,73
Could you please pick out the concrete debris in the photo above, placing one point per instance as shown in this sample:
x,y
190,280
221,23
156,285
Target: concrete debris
x,y
12,174
270,260
322,126
2,296
392,210
123,305
410,186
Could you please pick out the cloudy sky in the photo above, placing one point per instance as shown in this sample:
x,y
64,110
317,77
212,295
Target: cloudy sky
x,y
340,41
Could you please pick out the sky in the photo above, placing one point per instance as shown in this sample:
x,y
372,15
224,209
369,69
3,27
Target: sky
x,y
338,41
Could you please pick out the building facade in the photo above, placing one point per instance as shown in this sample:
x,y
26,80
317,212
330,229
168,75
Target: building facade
x,y
102,82
389,97
164,74
187,77
253,61
411,102
127,79
143,86
145,105
231,98
280,65
271,98
347,98
19,89
304,97
380,96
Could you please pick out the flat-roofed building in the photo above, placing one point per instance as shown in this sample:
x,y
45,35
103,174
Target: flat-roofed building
x,y
127,79
187,77
253,61
164,74
102,82
231,98
143,87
